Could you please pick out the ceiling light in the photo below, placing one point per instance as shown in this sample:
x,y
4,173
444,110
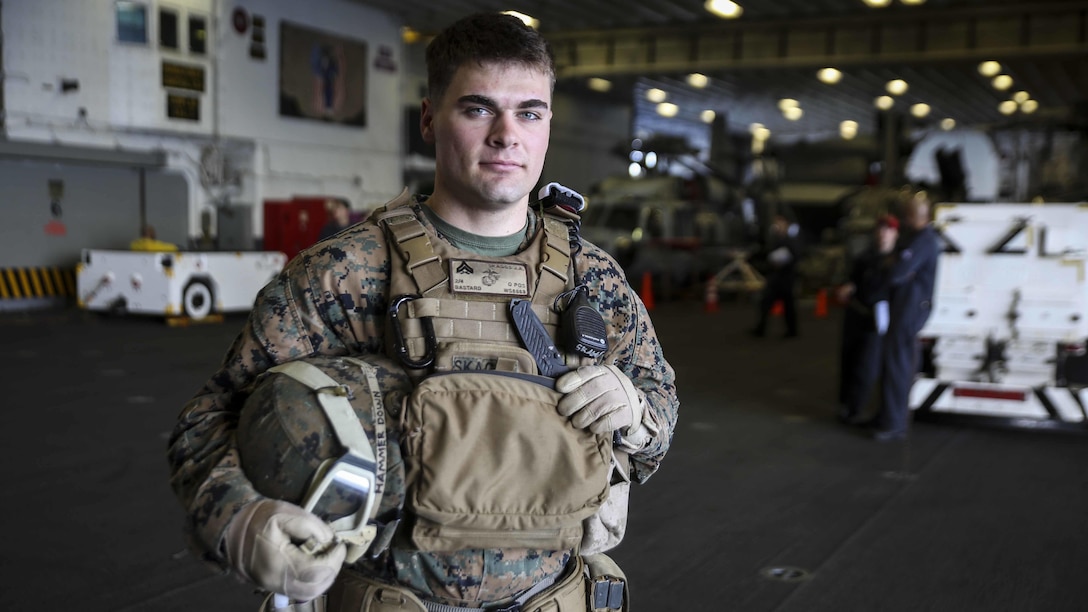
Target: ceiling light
x,y
707,116
829,75
1020,96
848,129
919,110
989,69
755,127
667,109
656,95
1029,106
1007,107
877,3
1002,82
526,19
598,84
897,87
786,103
761,133
793,113
726,9
884,102
913,2
409,36
948,123
697,80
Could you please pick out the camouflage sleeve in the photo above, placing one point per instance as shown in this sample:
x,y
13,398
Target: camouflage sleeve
x,y
320,304
635,349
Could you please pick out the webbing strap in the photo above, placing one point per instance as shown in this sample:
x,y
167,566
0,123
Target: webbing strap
x,y
555,262
411,240
461,329
473,311
377,407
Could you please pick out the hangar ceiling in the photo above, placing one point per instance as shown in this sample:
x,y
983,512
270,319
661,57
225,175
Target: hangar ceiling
x,y
776,47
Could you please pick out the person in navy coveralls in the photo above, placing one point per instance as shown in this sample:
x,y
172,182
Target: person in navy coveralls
x,y
911,301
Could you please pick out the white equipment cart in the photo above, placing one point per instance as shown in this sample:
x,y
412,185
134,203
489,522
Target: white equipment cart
x,y
1007,335
191,284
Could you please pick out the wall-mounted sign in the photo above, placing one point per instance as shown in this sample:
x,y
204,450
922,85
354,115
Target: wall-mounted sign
x,y
183,107
180,76
256,45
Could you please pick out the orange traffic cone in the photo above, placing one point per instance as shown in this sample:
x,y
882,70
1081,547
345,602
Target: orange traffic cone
x,y
647,292
778,309
821,303
710,303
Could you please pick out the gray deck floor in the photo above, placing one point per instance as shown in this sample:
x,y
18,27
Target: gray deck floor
x,y
962,518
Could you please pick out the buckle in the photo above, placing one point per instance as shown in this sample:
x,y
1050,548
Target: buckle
x,y
607,593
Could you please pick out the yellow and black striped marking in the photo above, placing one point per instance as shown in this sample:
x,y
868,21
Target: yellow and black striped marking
x,y
29,283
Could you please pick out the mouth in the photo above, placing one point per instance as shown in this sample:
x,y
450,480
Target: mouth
x,y
500,164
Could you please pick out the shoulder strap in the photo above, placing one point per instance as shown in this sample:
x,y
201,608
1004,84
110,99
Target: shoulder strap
x,y
411,241
555,261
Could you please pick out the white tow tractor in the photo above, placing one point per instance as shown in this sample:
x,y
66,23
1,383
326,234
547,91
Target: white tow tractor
x,y
1006,338
191,284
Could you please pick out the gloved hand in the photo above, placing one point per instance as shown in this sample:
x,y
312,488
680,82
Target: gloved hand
x,y
599,398
263,544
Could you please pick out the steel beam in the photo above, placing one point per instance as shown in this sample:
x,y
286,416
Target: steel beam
x,y
81,155
1031,30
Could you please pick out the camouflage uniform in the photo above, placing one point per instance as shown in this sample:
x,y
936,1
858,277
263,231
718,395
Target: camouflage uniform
x,y
331,300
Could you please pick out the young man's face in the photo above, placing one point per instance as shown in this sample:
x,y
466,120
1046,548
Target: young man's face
x,y
490,131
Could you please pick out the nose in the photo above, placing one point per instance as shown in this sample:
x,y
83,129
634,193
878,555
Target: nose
x,y
503,131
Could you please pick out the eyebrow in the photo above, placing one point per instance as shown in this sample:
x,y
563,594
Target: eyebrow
x,y
486,101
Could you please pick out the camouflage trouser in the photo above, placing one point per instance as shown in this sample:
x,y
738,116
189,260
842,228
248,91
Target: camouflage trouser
x,y
594,584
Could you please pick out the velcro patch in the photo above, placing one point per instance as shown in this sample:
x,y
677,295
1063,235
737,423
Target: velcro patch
x,y
488,277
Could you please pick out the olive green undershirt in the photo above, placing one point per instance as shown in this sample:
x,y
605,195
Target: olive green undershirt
x,y
488,246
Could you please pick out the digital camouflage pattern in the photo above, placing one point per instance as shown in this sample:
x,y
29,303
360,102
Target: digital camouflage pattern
x,y
283,434
331,300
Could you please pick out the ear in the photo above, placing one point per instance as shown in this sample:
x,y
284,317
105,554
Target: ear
x,y
426,121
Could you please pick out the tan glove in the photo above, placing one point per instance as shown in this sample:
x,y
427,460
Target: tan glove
x,y
264,544
600,398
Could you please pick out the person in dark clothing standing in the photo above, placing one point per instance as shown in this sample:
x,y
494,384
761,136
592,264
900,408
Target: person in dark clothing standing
x,y
912,279
339,211
865,320
781,256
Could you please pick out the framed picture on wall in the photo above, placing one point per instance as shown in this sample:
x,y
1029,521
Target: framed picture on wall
x,y
322,76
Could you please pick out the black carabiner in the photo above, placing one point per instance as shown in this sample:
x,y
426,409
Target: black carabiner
x,y
398,335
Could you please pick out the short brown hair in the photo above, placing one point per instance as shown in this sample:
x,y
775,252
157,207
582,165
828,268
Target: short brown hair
x,y
485,38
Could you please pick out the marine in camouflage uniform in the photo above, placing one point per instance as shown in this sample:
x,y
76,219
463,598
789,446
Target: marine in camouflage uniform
x,y
332,299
